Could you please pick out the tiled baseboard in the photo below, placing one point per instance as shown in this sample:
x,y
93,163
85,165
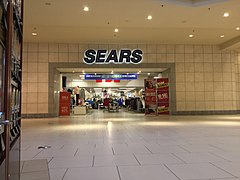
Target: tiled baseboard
x,y
206,112
38,115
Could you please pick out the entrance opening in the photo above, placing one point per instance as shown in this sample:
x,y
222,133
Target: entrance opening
x,y
115,90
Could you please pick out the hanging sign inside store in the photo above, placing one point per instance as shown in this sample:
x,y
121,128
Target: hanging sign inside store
x,y
110,76
126,56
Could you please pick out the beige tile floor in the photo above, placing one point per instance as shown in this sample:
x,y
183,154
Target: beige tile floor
x,y
128,146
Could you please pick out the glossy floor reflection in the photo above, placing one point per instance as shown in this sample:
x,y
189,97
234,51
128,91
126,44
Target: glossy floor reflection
x,y
128,146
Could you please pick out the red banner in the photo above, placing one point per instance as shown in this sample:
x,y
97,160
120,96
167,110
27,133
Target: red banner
x,y
163,96
150,96
64,104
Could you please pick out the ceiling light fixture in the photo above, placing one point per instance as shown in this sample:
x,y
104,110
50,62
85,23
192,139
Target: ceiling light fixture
x,y
222,36
149,17
149,74
191,35
226,14
116,30
237,28
86,8
34,34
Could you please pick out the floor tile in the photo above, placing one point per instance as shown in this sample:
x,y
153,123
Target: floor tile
x,y
96,173
198,171
35,165
230,167
39,175
115,160
151,159
199,157
57,174
145,173
69,162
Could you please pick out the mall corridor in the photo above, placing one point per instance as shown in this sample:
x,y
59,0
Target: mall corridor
x,y
128,146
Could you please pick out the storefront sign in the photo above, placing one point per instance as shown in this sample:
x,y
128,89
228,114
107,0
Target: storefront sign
x,y
126,56
110,76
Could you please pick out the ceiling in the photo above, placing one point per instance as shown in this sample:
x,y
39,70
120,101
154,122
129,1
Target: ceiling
x,y
172,21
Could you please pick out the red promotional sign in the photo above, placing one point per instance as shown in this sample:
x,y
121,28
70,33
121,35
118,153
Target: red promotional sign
x,y
150,96
163,96
64,104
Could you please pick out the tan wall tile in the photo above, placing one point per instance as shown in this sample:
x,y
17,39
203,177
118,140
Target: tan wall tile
x,y
207,49
198,49
199,96
181,96
43,57
32,77
32,87
189,77
218,105
180,87
43,47
170,58
32,108
73,57
32,67
190,106
189,58
73,48
53,48
43,77
180,77
32,47
198,57
209,96
152,58
200,106
181,106
218,95
32,98
42,98
42,87
198,67
190,96
189,49
210,105
63,57
32,57
180,57
189,67
162,49
42,108
53,57
180,49
43,67
208,86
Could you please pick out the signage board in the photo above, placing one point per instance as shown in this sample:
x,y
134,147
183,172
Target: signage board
x,y
103,56
110,76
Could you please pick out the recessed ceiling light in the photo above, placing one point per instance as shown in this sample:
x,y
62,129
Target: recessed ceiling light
x,y
222,36
34,34
226,14
47,3
149,17
237,28
116,30
191,35
86,8
95,74
148,73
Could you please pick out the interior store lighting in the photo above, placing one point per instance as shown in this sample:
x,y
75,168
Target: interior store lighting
x,y
191,35
149,17
226,14
86,8
116,30
222,36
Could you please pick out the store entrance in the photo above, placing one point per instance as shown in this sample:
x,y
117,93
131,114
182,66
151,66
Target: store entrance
x,y
107,90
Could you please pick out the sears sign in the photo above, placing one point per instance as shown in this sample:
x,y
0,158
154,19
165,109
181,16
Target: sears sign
x,y
126,56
